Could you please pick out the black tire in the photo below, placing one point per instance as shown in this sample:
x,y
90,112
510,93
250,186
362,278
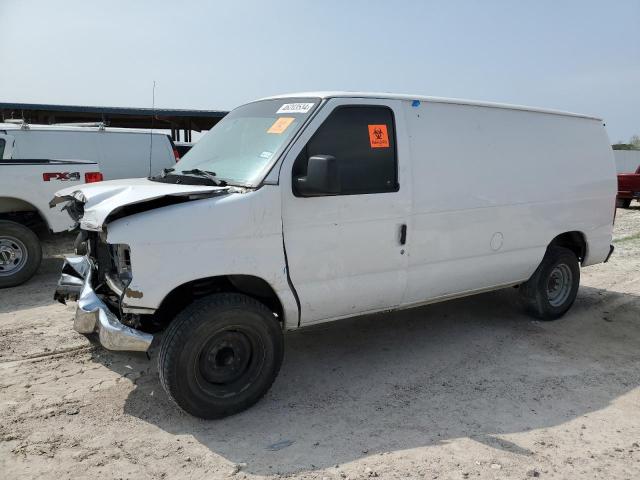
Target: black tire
x,y
559,268
623,202
220,355
20,254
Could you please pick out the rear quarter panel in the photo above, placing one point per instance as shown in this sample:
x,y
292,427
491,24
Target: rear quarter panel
x,y
22,184
525,177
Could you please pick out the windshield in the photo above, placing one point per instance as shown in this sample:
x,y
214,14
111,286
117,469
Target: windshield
x,y
241,148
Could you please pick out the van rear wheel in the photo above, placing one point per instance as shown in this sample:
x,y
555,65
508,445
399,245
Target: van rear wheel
x,y
220,355
20,254
553,287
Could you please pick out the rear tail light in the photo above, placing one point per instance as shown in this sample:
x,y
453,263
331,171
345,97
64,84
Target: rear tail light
x,y
92,177
176,154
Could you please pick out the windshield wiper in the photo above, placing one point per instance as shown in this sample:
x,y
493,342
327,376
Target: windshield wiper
x,y
206,174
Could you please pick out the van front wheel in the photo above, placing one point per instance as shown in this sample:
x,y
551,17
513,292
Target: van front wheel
x,y
552,289
220,355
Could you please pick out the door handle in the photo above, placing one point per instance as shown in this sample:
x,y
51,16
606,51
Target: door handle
x,y
403,234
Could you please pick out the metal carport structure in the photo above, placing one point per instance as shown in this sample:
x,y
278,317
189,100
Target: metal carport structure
x,y
176,120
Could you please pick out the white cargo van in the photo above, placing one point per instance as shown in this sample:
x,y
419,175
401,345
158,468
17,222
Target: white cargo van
x,y
309,208
627,161
120,152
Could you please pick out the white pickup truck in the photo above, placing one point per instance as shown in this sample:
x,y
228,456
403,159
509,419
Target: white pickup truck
x,y
26,186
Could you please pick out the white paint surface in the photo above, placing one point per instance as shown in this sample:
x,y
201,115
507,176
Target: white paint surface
x,y
22,188
466,171
627,161
120,152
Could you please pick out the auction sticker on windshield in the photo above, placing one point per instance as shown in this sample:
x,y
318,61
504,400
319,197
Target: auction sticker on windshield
x,y
295,108
280,125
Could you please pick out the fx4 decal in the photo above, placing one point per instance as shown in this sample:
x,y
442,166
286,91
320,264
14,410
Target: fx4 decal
x,y
62,176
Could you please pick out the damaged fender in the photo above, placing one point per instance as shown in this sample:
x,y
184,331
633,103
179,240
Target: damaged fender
x,y
92,205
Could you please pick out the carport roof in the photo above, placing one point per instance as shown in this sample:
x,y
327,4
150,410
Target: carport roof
x,y
125,117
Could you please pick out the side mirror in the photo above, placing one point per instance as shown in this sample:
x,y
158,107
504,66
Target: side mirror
x,y
322,177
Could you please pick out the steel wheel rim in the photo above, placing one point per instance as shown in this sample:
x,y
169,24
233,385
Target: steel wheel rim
x,y
13,256
559,285
226,357
243,369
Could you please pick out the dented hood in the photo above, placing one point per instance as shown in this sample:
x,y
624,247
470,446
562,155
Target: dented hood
x,y
91,204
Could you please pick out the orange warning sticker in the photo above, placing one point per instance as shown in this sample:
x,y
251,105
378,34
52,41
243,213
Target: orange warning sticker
x,y
378,136
280,125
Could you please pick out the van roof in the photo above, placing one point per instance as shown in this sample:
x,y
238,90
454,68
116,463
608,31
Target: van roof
x,y
73,128
422,98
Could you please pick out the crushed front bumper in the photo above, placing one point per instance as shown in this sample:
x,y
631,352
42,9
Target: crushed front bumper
x,y
92,315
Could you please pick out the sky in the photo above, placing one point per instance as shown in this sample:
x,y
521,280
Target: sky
x,y
575,55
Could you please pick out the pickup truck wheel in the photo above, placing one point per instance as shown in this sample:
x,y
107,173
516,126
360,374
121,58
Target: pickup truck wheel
x,y
552,289
20,254
623,202
220,355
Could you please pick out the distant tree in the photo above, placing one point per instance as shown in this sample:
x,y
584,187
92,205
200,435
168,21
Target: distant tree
x,y
634,144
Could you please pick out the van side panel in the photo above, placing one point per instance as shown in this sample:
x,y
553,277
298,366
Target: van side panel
x,y
162,156
119,154
67,145
493,186
126,155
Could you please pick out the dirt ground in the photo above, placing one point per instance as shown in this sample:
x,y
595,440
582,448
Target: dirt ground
x,y
470,388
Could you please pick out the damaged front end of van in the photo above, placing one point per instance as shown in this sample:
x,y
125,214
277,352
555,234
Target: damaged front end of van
x,y
100,279
98,312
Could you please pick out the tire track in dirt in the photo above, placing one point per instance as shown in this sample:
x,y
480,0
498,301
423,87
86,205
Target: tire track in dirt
x,y
45,355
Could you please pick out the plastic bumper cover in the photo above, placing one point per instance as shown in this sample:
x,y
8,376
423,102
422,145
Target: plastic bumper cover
x,y
92,315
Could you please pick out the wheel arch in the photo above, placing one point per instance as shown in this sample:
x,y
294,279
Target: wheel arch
x,y
575,241
20,211
251,285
